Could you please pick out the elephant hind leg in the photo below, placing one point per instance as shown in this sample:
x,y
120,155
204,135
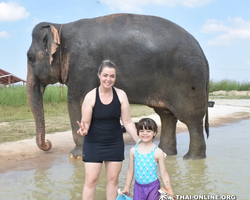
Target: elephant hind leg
x,y
168,131
197,145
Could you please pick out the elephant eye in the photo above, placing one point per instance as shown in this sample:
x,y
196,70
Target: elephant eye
x,y
31,58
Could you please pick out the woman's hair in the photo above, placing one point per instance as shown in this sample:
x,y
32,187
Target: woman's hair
x,y
106,63
148,124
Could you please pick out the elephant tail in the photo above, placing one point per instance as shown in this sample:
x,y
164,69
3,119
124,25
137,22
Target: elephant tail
x,y
206,123
207,91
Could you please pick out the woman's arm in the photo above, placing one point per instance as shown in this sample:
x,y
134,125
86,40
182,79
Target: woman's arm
x,y
160,156
87,110
130,173
125,115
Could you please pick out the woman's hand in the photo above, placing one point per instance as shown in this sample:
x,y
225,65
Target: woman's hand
x,y
82,130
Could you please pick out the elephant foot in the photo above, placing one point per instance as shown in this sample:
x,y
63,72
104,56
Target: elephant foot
x,y
170,151
190,156
76,153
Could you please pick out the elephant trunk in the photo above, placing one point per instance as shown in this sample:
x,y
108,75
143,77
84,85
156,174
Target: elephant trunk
x,y
35,91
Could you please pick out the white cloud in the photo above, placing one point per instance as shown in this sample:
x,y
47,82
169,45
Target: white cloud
x,y
248,62
221,40
187,3
136,5
237,29
212,25
11,11
126,6
4,34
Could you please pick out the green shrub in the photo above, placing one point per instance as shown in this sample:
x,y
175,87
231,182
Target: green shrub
x,y
55,94
17,95
228,85
13,96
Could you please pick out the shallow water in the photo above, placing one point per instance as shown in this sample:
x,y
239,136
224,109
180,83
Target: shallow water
x,y
225,171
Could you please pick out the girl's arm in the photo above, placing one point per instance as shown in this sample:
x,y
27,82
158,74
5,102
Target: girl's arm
x,y
125,115
159,155
130,173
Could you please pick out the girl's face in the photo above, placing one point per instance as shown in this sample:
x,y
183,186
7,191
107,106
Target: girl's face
x,y
146,135
107,77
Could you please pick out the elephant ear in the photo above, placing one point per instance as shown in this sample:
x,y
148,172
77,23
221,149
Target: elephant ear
x,y
55,43
51,40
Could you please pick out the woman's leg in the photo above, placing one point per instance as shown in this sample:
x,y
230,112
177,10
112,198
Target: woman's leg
x,y
92,173
113,170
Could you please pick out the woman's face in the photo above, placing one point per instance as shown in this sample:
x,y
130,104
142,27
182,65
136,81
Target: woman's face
x,y
107,77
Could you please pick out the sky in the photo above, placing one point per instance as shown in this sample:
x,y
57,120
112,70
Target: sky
x,y
222,28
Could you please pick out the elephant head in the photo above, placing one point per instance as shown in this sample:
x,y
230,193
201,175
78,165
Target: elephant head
x,y
43,69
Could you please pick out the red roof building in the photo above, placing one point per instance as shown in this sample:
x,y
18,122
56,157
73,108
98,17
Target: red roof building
x,y
7,78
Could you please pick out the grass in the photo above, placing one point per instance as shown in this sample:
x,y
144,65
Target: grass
x,y
228,85
16,118
17,95
17,122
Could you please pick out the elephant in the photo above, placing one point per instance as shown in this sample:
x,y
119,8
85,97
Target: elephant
x,y
159,64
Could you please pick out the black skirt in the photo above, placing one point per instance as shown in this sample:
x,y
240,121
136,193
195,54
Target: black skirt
x,y
102,151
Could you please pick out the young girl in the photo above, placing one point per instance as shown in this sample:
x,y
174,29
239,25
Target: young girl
x,y
143,161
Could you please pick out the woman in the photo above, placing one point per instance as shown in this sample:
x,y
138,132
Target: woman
x,y
102,109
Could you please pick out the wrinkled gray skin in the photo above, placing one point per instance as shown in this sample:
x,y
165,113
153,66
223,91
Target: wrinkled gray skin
x,y
159,64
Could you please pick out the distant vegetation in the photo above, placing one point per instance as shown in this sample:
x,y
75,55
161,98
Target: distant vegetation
x,y
17,95
228,85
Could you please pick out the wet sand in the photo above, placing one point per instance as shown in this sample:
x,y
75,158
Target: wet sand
x,y
25,155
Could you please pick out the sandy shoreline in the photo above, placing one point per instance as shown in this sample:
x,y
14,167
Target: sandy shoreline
x,y
24,154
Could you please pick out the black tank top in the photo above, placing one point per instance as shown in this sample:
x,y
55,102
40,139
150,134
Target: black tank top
x,y
105,124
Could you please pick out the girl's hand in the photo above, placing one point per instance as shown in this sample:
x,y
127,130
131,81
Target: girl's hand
x,y
82,130
169,192
125,191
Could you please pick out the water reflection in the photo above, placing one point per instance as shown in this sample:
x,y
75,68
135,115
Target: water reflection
x,y
224,171
188,177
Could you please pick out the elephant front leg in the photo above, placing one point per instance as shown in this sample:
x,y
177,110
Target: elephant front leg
x,y
75,115
168,131
77,152
197,145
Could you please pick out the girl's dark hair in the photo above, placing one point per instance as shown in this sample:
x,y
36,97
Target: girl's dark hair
x,y
148,124
106,63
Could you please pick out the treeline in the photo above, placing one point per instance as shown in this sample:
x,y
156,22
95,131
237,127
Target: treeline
x,y
17,95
